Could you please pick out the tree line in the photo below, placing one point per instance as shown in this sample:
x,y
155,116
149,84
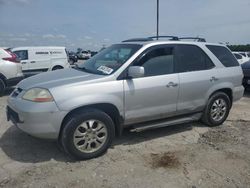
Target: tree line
x,y
244,48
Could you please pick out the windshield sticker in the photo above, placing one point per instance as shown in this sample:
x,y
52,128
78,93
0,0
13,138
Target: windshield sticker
x,y
105,69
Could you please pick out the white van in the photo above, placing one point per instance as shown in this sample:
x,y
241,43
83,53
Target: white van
x,y
41,59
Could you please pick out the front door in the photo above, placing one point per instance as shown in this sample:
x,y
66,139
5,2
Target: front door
x,y
155,95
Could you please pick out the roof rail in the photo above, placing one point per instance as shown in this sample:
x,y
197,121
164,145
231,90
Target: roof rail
x,y
138,40
171,37
197,39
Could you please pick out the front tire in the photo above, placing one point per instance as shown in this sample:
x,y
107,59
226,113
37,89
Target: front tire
x,y
217,109
2,87
87,134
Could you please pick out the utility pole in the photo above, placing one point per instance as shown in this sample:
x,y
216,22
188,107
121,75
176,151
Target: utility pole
x,y
157,25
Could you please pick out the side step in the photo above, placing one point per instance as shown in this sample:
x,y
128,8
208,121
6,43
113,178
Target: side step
x,y
166,122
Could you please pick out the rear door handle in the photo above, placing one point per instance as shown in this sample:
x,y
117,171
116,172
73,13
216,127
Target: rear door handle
x,y
172,84
32,62
213,79
24,62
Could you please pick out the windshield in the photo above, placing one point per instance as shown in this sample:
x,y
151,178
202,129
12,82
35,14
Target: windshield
x,y
110,59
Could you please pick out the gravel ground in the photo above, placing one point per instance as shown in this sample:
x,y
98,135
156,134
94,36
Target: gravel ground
x,y
188,155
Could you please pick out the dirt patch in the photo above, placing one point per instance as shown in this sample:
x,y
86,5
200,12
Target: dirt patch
x,y
234,135
164,160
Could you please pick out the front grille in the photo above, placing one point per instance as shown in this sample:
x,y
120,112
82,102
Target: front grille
x,y
16,92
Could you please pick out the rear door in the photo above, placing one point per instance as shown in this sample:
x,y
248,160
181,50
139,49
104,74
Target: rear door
x,y
153,96
39,60
197,75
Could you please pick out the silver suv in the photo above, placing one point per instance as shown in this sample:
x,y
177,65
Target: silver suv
x,y
140,83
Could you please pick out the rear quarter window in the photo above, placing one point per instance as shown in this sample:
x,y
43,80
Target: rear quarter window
x,y
224,55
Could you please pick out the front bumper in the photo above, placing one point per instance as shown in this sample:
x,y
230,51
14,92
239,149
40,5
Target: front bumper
x,y
42,120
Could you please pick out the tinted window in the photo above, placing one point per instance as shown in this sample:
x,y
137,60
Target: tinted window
x,y
22,54
224,55
192,58
158,61
238,56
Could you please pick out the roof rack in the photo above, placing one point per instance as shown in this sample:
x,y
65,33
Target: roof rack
x,y
171,37
197,39
138,40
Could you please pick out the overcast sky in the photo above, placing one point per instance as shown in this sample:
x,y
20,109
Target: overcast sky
x,y
92,23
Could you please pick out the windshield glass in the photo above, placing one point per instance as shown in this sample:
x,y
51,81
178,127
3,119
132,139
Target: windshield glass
x,y
110,59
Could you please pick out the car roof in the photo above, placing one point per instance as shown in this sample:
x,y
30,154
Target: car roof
x,y
39,48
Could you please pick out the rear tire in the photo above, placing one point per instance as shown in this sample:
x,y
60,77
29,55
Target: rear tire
x,y
2,87
217,109
87,134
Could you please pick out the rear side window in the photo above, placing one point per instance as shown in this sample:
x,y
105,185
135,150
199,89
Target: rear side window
x,y
21,54
192,58
224,55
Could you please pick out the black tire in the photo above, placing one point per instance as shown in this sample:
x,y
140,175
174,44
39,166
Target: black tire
x,y
207,115
67,134
57,68
2,87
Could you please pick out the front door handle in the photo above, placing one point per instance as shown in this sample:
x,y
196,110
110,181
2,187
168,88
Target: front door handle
x,y
213,79
172,84
24,62
32,62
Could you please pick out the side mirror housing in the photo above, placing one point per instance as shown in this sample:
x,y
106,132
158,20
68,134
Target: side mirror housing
x,y
136,72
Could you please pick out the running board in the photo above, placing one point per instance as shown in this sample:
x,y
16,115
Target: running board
x,y
166,122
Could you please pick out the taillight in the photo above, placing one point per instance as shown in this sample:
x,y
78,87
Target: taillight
x,y
13,57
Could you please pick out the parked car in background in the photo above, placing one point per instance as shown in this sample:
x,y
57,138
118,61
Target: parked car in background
x,y
246,70
35,60
245,54
93,53
241,58
72,57
10,70
140,84
83,55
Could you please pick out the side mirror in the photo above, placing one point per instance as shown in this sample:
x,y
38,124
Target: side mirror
x,y
135,72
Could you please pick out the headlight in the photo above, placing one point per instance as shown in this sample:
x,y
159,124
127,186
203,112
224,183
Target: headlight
x,y
38,95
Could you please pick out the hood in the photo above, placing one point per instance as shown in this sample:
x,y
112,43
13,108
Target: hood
x,y
57,78
246,65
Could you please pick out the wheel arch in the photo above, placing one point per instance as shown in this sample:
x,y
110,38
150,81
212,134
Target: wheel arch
x,y
227,91
108,108
57,66
3,78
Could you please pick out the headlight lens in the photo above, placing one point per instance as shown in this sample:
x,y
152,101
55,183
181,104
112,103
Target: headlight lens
x,y
38,95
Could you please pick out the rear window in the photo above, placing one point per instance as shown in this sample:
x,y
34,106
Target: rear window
x,y
21,54
224,55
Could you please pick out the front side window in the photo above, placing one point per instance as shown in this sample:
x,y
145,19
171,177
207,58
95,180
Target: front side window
x,y
158,61
192,58
224,55
21,54
110,59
